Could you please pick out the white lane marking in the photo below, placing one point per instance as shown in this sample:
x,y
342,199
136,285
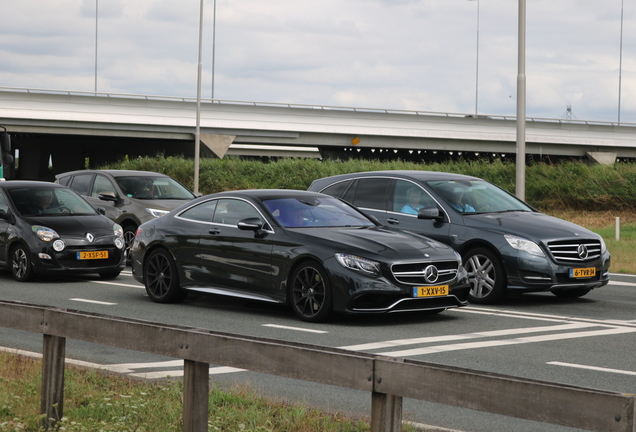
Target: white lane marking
x,y
594,368
119,284
93,301
515,341
621,283
485,334
179,373
294,328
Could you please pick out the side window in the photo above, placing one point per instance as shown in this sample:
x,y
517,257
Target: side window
x,y
64,180
371,193
409,198
202,212
230,211
81,183
101,184
3,203
337,189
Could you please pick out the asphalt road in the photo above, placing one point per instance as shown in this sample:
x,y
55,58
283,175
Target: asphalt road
x,y
588,342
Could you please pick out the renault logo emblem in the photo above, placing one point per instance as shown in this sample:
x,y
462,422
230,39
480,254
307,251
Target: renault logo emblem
x,y
90,237
431,274
582,251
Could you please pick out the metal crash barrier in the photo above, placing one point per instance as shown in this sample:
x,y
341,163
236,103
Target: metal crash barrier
x,y
388,379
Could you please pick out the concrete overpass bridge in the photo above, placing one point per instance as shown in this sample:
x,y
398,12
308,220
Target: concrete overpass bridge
x,y
70,128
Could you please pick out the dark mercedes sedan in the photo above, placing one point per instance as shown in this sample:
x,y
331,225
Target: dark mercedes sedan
x,y
46,228
507,246
305,249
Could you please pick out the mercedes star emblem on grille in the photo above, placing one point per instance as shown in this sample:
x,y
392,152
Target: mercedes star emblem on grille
x,y
431,274
582,251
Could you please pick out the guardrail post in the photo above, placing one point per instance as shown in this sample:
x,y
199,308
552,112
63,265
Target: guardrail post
x,y
53,358
386,413
196,389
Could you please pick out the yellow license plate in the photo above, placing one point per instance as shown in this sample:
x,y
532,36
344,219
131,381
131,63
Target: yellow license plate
x,y
430,291
92,255
583,272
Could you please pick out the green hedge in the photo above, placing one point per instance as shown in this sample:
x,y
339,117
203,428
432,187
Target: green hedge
x,y
568,185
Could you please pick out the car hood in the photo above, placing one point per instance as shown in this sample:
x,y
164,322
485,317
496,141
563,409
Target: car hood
x,y
378,240
74,225
532,225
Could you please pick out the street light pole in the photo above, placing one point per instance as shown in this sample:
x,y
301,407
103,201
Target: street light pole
x,y
620,67
477,62
197,136
213,46
96,22
521,104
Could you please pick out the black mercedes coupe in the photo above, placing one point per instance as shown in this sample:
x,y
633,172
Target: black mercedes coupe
x,y
306,249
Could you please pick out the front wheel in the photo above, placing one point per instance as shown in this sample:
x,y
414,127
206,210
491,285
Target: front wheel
x,y
161,279
21,267
311,293
486,275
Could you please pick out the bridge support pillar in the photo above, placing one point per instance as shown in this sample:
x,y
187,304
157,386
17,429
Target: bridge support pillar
x,y
602,157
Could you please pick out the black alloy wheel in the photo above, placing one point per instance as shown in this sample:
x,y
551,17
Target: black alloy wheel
x,y
311,293
161,279
21,264
486,275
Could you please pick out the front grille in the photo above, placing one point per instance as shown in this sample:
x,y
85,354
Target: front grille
x,y
416,273
575,251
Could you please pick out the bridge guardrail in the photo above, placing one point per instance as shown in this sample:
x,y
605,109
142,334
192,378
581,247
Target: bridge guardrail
x,y
388,379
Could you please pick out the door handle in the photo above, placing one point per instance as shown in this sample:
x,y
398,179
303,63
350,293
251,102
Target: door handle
x,y
214,231
393,221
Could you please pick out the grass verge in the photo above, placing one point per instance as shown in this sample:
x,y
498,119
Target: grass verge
x,y
96,401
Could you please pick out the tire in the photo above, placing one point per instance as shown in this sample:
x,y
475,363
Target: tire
x,y
161,278
311,292
21,266
129,237
571,293
486,275
109,275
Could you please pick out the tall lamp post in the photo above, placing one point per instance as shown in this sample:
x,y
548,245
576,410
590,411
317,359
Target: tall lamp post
x,y
96,22
521,104
213,45
620,67
477,61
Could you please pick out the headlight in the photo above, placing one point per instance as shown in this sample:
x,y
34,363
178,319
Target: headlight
x,y
119,243
118,231
362,265
44,233
156,212
524,244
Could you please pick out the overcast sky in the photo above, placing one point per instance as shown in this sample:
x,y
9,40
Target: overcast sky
x,y
390,54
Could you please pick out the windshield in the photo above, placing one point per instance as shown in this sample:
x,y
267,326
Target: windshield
x,y
46,201
147,187
477,196
315,212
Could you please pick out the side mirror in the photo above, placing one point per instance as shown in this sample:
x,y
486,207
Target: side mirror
x,y
108,196
250,224
429,213
6,216
101,210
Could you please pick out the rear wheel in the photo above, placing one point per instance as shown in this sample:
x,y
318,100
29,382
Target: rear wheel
x,y
161,279
311,292
486,275
21,267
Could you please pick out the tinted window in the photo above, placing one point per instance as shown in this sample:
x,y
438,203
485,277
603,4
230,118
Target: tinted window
x,y
81,183
230,211
315,212
337,189
409,198
202,212
371,193
102,184
64,180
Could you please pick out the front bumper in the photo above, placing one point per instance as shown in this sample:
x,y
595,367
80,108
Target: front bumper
x,y
535,274
355,293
